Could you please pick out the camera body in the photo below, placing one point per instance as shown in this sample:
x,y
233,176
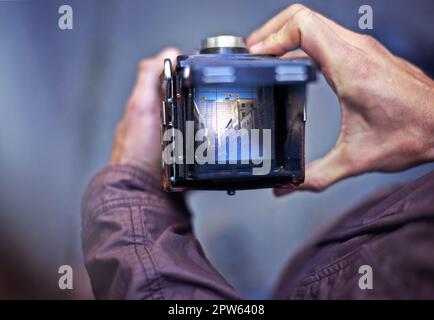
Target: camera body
x,y
232,120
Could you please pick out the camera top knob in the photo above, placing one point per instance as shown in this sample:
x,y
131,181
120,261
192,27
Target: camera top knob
x,y
224,44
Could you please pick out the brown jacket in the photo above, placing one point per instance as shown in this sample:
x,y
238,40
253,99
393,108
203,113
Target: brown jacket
x,y
138,244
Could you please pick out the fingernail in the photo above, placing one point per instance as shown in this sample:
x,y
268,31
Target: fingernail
x,y
257,47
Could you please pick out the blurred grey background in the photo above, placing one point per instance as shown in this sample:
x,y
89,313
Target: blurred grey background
x,y
62,93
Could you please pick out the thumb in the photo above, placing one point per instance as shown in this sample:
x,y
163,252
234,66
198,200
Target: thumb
x,y
322,173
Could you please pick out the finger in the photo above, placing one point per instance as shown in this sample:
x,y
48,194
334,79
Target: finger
x,y
273,24
281,19
145,92
307,31
322,173
344,33
295,54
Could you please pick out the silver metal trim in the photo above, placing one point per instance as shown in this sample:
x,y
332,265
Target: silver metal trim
x,y
223,41
167,69
163,113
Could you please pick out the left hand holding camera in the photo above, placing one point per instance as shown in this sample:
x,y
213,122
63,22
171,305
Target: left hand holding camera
x,y
137,138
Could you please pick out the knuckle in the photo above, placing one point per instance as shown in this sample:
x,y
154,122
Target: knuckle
x,y
375,45
293,8
141,107
370,40
144,65
302,15
133,105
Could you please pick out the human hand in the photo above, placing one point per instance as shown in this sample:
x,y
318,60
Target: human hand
x,y
386,103
137,138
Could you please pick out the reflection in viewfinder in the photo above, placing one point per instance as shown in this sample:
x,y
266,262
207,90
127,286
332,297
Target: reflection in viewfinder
x,y
230,114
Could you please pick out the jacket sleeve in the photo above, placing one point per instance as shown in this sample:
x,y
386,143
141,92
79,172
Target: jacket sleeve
x,y
138,241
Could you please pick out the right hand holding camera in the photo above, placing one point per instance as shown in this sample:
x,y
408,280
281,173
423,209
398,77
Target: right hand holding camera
x,y
387,104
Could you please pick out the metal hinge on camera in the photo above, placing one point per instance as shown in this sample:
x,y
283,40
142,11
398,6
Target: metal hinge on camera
x,y
168,105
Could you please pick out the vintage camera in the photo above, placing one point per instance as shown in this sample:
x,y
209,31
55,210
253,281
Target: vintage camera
x,y
232,120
